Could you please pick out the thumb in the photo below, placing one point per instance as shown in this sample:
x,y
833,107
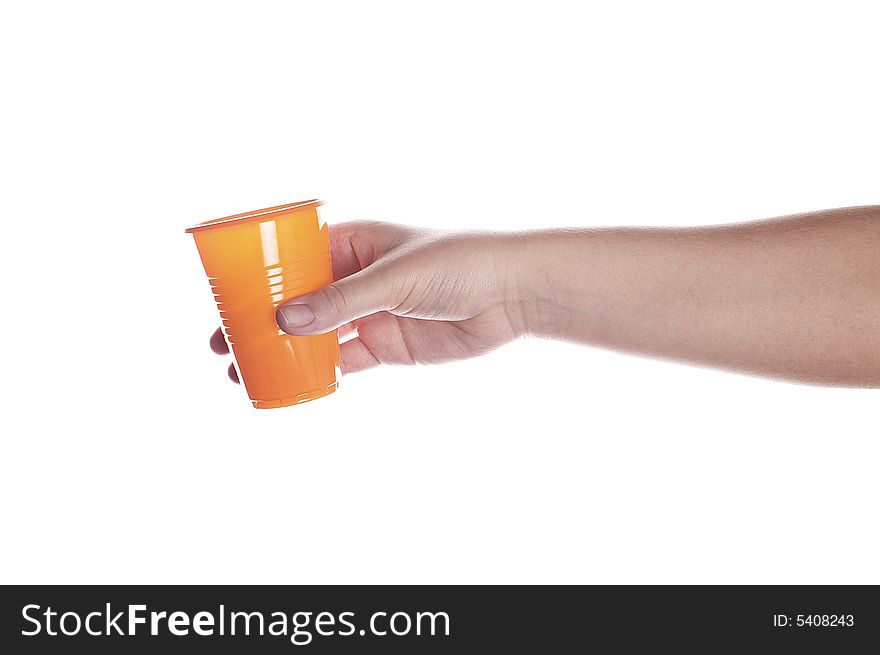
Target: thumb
x,y
364,293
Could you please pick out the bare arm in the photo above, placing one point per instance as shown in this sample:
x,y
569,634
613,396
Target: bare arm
x,y
795,298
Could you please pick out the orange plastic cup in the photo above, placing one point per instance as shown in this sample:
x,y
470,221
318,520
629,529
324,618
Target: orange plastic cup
x,y
255,261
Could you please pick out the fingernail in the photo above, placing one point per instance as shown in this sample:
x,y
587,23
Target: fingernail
x,y
291,317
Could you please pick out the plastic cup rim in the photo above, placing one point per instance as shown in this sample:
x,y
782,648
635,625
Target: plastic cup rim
x,y
255,215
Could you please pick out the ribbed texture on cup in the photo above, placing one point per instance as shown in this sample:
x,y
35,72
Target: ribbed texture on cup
x,y
242,299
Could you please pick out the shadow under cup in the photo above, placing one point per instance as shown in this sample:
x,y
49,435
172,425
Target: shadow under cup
x,y
254,262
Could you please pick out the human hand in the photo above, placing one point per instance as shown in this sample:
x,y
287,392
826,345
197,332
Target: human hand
x,y
405,295
793,298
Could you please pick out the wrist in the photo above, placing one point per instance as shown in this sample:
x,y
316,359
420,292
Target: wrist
x,y
525,272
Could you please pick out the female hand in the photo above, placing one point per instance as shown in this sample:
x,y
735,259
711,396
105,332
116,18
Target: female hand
x,y
406,295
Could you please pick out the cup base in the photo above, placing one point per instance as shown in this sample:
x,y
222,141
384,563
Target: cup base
x,y
296,400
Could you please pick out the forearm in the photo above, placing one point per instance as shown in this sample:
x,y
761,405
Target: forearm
x,y
795,298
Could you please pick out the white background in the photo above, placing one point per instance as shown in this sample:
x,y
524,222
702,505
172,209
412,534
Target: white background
x,y
129,457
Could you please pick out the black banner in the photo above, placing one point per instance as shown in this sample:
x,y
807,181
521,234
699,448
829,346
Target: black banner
x,y
438,619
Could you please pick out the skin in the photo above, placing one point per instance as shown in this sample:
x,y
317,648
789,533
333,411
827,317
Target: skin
x,y
794,298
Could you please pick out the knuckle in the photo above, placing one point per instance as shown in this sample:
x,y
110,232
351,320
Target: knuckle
x,y
335,298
